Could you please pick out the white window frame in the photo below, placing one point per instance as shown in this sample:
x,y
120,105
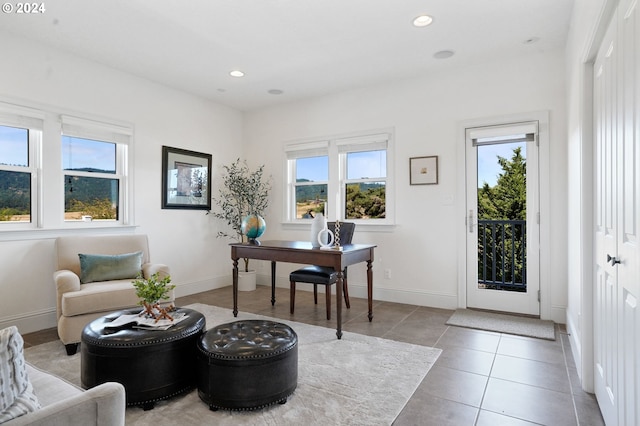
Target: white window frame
x,y
33,121
121,136
293,152
45,124
337,148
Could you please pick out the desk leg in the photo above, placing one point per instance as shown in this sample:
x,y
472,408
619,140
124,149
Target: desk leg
x,y
273,283
235,287
338,303
370,288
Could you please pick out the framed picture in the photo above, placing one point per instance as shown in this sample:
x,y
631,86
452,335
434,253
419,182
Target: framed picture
x,y
186,179
423,170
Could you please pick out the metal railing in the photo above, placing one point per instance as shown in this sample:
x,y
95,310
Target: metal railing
x,y
502,248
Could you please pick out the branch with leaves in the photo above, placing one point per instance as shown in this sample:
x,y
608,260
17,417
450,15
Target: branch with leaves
x,y
153,289
243,192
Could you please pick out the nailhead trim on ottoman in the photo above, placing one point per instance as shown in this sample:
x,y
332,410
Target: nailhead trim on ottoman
x,y
246,365
151,364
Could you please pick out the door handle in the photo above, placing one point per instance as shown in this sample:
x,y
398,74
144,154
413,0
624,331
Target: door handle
x,y
613,260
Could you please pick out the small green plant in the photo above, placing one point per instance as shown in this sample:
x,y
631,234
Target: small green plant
x,y
153,289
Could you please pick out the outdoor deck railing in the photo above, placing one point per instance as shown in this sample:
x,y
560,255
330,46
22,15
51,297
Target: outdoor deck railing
x,y
502,262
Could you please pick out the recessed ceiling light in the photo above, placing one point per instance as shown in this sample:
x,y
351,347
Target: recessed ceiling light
x,y
422,21
275,92
236,73
443,54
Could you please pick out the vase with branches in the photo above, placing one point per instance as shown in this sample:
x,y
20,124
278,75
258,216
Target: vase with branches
x,y
243,192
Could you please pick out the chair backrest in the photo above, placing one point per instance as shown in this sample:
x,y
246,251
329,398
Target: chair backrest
x,y
346,231
68,247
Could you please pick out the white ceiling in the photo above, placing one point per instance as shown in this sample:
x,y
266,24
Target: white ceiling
x,y
305,48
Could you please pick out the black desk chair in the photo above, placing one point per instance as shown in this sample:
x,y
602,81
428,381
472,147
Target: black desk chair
x,y
324,275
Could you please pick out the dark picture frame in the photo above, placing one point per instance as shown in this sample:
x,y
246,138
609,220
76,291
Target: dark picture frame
x,y
186,179
423,170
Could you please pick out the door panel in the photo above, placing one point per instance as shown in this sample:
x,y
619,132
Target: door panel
x,y
513,284
617,258
605,317
629,164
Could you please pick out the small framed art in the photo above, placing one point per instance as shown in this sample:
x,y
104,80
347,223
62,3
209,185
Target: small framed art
x,y
186,179
423,170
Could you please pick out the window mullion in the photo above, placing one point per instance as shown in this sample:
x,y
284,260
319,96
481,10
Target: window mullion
x,y
334,196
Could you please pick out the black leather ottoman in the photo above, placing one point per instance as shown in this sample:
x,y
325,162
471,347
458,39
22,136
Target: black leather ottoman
x,y
151,364
245,365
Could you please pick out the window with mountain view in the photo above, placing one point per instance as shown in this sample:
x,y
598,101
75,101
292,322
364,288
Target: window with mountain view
x,y
15,175
312,177
365,186
352,171
91,191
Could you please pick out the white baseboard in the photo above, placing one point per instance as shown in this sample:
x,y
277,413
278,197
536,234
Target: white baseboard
x,y
187,289
576,345
410,297
29,322
557,314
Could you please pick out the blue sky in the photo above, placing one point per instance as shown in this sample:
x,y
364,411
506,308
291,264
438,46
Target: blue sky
x,y
488,167
13,146
84,153
360,164
76,153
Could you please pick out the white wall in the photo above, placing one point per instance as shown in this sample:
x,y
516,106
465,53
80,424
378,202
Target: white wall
x,y
584,37
185,240
421,250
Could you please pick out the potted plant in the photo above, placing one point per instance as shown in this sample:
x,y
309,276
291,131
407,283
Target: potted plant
x,y
151,291
243,196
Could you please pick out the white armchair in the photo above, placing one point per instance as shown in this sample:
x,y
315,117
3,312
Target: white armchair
x,y
65,404
83,296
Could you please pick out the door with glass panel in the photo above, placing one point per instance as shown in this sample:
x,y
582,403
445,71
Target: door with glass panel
x,y
502,218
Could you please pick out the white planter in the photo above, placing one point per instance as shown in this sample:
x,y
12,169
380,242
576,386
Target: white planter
x,y
246,280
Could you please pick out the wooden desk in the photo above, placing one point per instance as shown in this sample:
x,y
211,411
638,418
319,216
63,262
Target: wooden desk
x,y
302,252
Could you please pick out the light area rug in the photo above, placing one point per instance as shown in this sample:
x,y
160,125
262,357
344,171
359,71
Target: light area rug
x,y
358,380
501,323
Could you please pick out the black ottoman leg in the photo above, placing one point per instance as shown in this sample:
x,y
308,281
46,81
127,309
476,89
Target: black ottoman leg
x,y
71,348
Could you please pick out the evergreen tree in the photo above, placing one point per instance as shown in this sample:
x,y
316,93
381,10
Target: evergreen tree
x,y
504,241
507,200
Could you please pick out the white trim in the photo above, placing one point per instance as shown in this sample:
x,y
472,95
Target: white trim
x,y
546,310
336,147
502,130
82,228
359,290
48,211
95,130
308,149
19,116
30,322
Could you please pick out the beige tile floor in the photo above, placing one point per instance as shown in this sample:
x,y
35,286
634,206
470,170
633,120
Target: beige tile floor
x,y
481,378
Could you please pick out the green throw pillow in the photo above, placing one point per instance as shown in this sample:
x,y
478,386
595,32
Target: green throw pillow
x,y
104,267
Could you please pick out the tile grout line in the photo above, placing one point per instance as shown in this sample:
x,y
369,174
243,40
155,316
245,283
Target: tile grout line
x,y
398,323
484,392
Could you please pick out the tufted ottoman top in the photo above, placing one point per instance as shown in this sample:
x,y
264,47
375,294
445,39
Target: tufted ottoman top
x,y
98,334
248,339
